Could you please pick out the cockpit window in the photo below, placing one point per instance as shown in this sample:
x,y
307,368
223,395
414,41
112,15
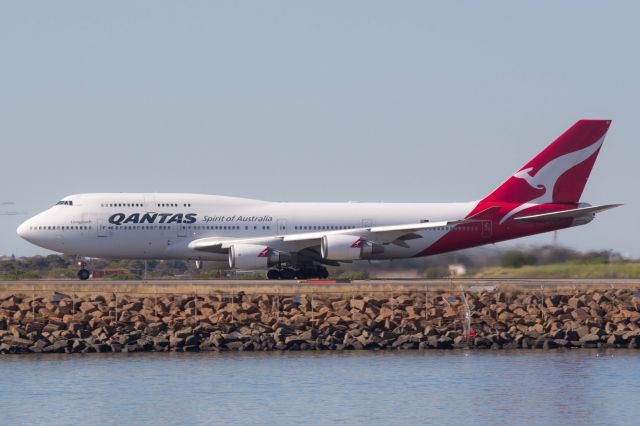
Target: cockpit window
x,y
64,203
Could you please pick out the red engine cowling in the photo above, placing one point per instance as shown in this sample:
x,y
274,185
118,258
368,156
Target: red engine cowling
x,y
347,247
252,256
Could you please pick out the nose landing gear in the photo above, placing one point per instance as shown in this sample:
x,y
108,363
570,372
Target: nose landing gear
x,y
83,273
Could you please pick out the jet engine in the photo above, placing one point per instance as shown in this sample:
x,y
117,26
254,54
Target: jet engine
x,y
253,256
347,247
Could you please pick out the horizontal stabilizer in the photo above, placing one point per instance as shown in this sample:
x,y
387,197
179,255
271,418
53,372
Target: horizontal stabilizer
x,y
565,214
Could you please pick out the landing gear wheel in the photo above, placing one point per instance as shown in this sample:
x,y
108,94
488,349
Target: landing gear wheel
x,y
303,274
84,274
273,274
287,274
323,273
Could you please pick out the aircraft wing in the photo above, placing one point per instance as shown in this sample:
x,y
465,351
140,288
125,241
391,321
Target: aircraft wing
x,y
390,234
565,214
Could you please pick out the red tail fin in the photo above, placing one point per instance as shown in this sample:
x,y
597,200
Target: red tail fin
x,y
559,173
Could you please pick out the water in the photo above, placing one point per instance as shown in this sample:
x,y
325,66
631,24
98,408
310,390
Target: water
x,y
435,387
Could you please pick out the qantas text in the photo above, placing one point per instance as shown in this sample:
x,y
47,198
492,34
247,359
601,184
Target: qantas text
x,y
121,218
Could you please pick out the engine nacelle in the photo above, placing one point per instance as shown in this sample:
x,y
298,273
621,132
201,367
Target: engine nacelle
x,y
252,256
347,247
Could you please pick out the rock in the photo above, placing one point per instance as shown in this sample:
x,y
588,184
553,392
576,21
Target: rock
x,y
183,333
433,341
51,327
176,342
135,306
160,341
388,335
18,341
234,345
590,338
131,347
358,304
583,331
505,316
385,312
192,340
445,342
632,316
482,342
429,331
57,346
575,303
572,335
401,340
580,315
585,319
87,307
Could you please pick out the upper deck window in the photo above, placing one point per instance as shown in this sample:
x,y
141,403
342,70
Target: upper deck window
x,y
64,203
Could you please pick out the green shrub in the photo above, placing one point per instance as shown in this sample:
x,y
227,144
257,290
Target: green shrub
x,y
122,276
436,271
517,259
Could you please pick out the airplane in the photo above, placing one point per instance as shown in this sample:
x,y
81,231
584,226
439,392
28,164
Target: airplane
x,y
298,240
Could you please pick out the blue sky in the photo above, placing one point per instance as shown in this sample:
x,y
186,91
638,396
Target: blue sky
x,y
300,101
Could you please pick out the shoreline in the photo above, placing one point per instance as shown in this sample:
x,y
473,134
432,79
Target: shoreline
x,y
524,318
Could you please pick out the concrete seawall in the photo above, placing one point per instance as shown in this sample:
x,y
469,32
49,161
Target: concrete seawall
x,y
439,319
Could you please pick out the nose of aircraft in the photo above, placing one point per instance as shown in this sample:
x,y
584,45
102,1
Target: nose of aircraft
x,y
23,230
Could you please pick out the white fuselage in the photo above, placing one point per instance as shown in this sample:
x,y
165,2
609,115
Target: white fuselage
x,y
161,226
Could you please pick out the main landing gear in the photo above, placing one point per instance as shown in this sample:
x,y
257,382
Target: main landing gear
x,y
83,273
301,274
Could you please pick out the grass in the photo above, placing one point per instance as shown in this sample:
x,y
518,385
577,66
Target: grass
x,y
565,270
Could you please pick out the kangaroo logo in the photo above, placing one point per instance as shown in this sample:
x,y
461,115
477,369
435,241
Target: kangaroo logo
x,y
548,175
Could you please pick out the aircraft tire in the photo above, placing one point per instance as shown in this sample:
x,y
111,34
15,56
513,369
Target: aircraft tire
x,y
287,274
84,274
273,274
323,273
303,274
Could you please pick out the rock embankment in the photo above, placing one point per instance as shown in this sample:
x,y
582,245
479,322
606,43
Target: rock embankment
x,y
583,319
